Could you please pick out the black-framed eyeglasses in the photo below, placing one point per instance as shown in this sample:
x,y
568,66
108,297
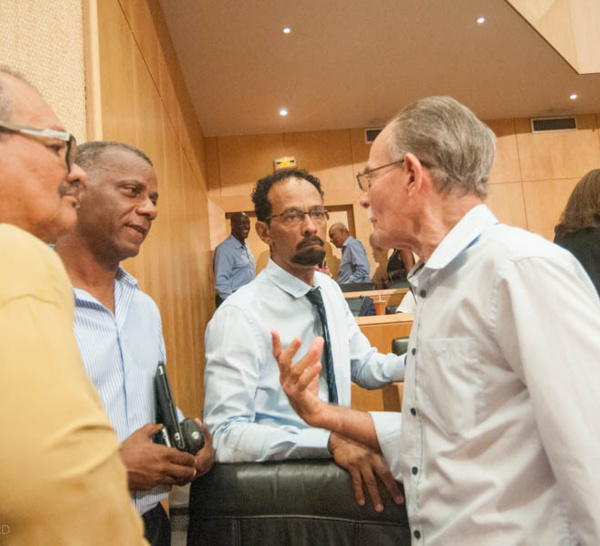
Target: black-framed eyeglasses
x,y
365,178
294,217
38,132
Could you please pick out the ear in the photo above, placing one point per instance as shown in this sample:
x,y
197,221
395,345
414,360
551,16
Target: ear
x,y
264,232
416,175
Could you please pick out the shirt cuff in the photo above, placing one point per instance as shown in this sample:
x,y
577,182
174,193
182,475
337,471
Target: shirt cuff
x,y
388,425
315,441
395,367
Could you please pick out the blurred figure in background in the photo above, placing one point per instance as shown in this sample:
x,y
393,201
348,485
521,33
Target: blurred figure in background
x,y
579,228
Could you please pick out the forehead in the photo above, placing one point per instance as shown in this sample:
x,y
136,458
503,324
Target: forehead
x,y
293,193
28,107
118,164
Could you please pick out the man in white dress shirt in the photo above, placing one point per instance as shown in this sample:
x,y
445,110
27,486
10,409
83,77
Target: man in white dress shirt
x,y
500,438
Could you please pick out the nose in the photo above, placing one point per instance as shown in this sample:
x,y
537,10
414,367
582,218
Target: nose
x,y
308,224
148,208
365,200
76,179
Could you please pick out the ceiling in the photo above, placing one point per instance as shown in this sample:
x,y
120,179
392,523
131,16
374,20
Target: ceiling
x,y
355,63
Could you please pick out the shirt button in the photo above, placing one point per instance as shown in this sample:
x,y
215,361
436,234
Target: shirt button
x,y
414,351
422,293
417,534
413,411
415,470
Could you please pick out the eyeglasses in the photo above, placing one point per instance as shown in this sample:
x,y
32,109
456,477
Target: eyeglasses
x,y
294,217
365,179
46,133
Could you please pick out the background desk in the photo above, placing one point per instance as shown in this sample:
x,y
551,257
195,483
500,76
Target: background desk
x,y
379,330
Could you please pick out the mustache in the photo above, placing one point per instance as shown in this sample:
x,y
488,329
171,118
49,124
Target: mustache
x,y
309,241
370,213
69,189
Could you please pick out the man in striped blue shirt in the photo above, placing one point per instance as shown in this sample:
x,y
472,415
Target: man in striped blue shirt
x,y
118,327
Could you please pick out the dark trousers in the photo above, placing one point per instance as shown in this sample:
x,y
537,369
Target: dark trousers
x,y
157,527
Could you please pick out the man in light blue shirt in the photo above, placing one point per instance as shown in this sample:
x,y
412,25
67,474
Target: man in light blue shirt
x,y
245,407
233,263
354,265
118,327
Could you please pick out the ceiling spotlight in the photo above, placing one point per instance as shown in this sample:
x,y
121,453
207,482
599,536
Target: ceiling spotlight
x,y
287,30
480,20
283,112
574,96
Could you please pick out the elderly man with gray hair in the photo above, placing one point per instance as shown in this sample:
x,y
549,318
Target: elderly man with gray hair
x,y
499,439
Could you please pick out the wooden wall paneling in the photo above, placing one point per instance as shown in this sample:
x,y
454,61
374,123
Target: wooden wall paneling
x,y
544,202
175,250
91,51
188,384
558,155
506,201
327,155
506,166
142,26
212,170
360,152
243,160
116,73
217,223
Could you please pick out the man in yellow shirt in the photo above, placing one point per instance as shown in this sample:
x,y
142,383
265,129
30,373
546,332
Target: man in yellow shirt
x,y
62,481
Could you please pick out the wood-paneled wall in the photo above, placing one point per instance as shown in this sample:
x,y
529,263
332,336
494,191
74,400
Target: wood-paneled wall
x,y
143,101
530,182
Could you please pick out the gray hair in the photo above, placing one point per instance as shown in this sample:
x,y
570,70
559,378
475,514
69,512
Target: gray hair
x,y
457,148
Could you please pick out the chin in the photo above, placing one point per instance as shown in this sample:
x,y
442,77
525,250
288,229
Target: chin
x,y
309,258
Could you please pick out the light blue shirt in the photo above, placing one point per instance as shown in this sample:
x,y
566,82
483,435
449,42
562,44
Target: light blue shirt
x,y
120,353
234,266
245,407
354,266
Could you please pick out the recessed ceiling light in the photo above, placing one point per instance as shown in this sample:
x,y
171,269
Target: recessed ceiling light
x,y
574,96
283,112
480,20
287,30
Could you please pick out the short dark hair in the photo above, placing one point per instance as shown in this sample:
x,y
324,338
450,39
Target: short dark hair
x,y
262,205
89,153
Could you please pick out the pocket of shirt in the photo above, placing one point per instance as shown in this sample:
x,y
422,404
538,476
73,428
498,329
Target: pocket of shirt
x,y
450,383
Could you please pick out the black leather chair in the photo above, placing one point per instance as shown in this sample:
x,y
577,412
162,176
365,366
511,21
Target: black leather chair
x,y
288,503
399,345
358,286
396,284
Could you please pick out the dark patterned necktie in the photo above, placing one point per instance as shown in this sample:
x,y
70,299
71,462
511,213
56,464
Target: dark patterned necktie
x,y
316,299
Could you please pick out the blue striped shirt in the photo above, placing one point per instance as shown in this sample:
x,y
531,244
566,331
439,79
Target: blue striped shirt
x,y
120,353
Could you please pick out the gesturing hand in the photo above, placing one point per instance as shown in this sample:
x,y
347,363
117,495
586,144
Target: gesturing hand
x,y
300,381
149,464
364,466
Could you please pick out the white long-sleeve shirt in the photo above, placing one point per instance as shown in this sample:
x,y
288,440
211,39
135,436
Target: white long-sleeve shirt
x,y
500,438
245,407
